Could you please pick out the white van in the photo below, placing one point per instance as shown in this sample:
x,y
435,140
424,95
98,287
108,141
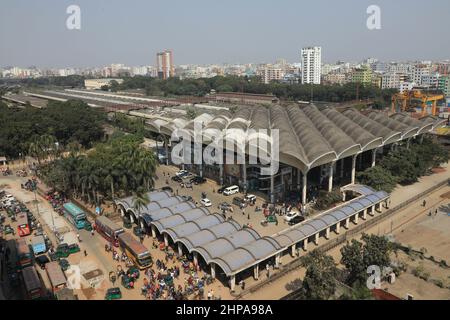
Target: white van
x,y
231,190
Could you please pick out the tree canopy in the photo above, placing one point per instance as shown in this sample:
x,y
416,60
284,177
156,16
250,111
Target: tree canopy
x,y
67,122
319,282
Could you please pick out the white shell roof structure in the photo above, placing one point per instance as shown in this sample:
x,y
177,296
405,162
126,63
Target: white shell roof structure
x,y
309,136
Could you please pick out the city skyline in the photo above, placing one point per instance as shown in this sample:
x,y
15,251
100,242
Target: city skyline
x,y
208,35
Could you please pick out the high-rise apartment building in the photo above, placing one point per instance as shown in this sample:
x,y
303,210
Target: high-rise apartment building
x,y
164,62
311,58
269,73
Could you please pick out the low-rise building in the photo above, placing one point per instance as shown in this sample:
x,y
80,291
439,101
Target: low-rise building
x,y
95,84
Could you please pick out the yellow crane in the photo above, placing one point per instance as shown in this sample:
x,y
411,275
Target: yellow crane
x,y
410,99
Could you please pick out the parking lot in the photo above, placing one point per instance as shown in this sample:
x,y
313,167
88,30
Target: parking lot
x,y
245,216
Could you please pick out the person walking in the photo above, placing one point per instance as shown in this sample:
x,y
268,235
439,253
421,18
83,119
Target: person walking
x,y
85,253
424,203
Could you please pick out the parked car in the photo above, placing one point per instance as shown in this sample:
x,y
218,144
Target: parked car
x,y
176,179
42,260
186,198
220,190
181,173
291,215
239,201
206,202
296,220
167,188
198,180
224,206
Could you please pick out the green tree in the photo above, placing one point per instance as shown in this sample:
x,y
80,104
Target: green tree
x,y
319,282
378,178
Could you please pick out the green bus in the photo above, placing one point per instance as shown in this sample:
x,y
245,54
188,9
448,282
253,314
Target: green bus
x,y
75,215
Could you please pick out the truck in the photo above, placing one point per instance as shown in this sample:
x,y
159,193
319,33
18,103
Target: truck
x,y
38,244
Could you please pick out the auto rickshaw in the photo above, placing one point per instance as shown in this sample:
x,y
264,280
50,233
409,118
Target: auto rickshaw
x,y
128,282
113,294
88,226
271,219
133,272
73,248
64,264
168,280
62,251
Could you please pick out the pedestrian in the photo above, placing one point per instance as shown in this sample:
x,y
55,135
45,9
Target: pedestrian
x,y
424,203
243,285
435,212
92,232
209,295
78,237
85,253
248,216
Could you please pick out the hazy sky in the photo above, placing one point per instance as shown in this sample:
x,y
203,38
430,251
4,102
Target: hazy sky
x,y
33,32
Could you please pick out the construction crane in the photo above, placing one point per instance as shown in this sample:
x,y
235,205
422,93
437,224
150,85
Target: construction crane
x,y
408,100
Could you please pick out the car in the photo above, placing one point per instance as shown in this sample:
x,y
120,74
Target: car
x,y
64,264
250,198
239,201
224,206
291,215
42,260
186,198
182,173
198,180
220,190
167,188
206,202
176,179
296,220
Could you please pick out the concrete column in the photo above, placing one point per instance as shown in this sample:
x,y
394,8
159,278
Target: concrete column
x,y
347,223
166,148
293,250
327,233
421,139
180,249
343,196
364,216
356,218
195,258
304,187
256,271
232,282
372,211
408,141
166,240
272,188
374,157
153,231
316,239
201,170
244,176
277,260
353,168
330,177
221,174
298,179
213,270
338,228
305,244
342,168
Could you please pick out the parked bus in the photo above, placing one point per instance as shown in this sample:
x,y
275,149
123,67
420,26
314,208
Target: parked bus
x,y
108,229
24,255
32,283
23,227
135,250
56,276
75,215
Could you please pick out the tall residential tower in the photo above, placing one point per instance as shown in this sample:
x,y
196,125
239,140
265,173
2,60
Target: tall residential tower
x,y
164,62
311,58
